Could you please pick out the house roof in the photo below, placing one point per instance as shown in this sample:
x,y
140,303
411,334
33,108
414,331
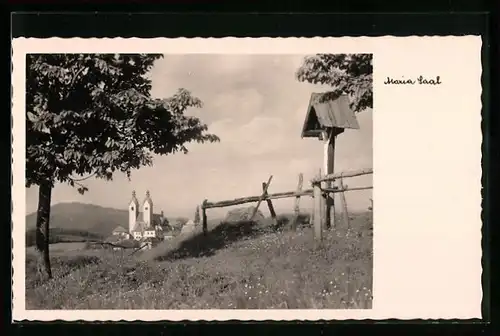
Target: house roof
x,y
334,113
148,199
120,228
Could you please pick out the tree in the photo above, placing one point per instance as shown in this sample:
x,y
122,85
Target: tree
x,y
91,115
180,222
197,215
345,73
163,219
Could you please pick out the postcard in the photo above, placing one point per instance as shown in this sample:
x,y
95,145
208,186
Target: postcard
x,y
246,179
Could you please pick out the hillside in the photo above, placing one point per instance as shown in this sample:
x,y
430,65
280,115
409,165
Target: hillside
x,y
245,266
85,217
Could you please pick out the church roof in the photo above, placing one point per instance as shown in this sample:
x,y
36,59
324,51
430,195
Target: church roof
x,y
140,217
148,199
134,200
139,226
155,219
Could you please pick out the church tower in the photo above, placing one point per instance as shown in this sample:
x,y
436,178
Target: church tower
x,y
133,211
147,210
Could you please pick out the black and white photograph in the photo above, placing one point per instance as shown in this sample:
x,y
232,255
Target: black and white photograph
x,y
201,181
257,179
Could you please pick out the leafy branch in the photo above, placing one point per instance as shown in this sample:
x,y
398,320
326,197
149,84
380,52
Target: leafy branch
x,y
350,74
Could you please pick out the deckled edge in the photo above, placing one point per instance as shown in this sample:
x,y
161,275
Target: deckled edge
x,y
230,38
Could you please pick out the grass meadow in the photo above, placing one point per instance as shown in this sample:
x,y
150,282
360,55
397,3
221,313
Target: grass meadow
x,y
237,266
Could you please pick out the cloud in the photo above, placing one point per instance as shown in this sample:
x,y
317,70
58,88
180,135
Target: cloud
x,y
230,64
238,104
256,106
261,135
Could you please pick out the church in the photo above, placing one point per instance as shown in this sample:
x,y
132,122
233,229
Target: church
x,y
142,222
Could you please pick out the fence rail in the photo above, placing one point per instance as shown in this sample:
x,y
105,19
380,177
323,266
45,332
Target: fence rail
x,y
341,175
319,194
251,199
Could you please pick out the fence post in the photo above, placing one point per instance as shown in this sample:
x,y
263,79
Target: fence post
x,y
270,205
345,211
296,208
204,218
329,158
317,211
261,198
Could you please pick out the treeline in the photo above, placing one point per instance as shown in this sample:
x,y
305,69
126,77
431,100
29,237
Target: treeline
x,y
58,235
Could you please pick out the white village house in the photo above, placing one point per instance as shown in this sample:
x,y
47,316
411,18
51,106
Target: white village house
x,y
121,232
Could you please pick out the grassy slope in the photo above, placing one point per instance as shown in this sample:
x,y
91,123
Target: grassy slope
x,y
245,266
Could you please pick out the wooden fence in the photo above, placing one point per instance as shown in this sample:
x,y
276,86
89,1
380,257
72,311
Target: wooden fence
x,y
322,189
324,211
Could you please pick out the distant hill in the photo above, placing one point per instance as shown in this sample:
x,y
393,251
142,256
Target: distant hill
x,y
91,218
96,221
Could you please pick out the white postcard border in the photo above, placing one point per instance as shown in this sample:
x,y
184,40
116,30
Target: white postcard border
x,y
427,258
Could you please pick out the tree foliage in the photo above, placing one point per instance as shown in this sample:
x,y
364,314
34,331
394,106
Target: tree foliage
x,y
94,114
180,222
197,215
345,73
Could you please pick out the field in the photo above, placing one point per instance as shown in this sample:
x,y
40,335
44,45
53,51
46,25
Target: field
x,y
237,266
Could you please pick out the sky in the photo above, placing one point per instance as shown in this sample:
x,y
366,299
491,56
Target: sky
x,y
257,107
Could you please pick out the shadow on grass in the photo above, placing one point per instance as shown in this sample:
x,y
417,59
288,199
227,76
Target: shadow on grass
x,y
289,222
220,237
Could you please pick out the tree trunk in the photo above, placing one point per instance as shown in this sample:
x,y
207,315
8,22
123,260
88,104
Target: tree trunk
x,y
42,229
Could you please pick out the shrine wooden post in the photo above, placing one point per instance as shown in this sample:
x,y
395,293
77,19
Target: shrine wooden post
x,y
329,163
